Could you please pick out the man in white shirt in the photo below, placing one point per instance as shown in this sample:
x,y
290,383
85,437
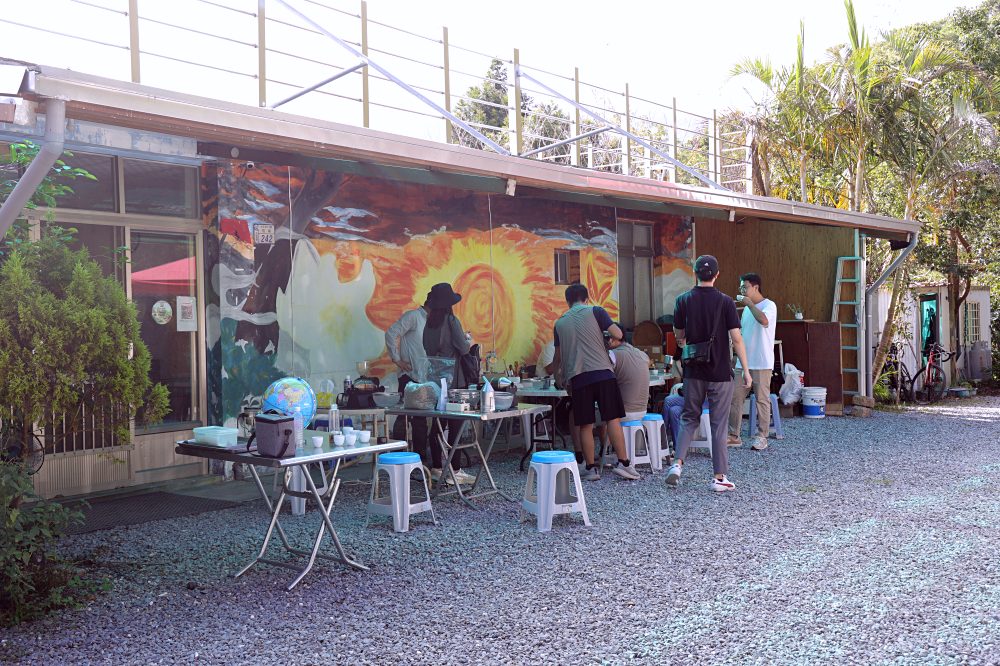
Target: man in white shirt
x,y
760,316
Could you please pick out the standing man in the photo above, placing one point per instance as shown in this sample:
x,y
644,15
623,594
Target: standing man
x,y
705,322
586,366
760,316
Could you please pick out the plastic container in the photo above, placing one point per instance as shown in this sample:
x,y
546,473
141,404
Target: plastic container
x,y
216,435
814,402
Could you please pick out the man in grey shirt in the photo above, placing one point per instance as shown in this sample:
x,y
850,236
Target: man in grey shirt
x,y
586,367
631,367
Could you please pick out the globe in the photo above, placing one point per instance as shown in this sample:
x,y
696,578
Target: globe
x,y
286,394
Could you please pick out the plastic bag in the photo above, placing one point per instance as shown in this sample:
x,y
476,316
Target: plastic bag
x,y
791,390
421,396
441,367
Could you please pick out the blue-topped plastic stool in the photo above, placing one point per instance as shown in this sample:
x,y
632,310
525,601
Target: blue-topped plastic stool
x,y
775,423
633,431
549,475
655,426
398,466
703,435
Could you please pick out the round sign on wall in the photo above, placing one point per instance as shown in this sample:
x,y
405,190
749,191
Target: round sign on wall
x,y
162,312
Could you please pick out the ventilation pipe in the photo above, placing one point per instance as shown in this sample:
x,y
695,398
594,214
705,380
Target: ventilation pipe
x,y
50,151
869,294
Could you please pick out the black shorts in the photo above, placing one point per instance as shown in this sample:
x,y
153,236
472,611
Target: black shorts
x,y
607,396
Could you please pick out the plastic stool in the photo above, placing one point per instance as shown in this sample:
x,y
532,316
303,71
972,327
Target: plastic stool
x,y
703,436
398,465
550,472
633,430
775,423
654,426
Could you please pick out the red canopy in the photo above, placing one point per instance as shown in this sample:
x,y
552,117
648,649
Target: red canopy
x,y
174,278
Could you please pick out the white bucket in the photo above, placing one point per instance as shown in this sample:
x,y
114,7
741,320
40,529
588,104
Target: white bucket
x,y
814,402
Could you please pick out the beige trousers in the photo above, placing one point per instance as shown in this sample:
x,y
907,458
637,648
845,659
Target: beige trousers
x,y
761,392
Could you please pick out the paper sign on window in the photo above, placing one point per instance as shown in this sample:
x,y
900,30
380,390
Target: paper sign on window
x,y
187,317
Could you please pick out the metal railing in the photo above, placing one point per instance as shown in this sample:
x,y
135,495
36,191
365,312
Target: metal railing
x,y
263,53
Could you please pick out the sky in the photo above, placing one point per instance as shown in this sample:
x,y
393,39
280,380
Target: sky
x,y
663,49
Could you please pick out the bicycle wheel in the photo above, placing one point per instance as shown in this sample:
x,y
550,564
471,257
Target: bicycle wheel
x,y
935,383
31,455
905,382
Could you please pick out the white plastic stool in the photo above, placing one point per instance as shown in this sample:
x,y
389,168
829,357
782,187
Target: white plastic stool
x,y
633,430
775,423
550,473
654,426
398,465
703,435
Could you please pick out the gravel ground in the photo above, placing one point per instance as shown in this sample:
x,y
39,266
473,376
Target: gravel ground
x,y
852,541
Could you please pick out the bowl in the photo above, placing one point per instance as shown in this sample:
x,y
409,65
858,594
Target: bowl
x,y
338,440
364,436
385,400
350,440
503,400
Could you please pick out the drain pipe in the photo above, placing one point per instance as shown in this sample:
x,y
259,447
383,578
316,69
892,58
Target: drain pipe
x,y
869,293
50,151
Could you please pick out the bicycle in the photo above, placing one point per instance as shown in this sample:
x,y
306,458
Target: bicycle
x,y
898,375
14,449
934,383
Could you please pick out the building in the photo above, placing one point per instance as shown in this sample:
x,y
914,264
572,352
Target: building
x,y
927,317
265,244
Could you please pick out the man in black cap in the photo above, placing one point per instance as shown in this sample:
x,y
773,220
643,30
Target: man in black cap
x,y
705,321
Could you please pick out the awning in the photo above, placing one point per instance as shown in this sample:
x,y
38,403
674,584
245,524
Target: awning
x,y
174,278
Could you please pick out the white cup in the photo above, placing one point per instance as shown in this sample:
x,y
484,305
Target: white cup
x,y
338,440
348,430
317,441
364,436
350,439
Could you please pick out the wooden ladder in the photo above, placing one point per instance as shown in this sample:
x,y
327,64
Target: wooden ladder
x,y
847,298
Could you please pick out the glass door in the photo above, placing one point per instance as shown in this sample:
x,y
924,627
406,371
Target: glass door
x,y
163,285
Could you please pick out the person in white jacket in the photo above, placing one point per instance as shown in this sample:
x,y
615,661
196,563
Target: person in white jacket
x,y
407,341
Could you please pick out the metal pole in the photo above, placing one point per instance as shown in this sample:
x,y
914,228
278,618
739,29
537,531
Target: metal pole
x,y
673,143
713,148
395,79
133,37
550,146
627,155
448,129
620,130
364,73
51,150
518,116
575,148
261,54
329,79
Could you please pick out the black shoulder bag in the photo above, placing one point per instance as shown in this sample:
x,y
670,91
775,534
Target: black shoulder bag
x,y
699,354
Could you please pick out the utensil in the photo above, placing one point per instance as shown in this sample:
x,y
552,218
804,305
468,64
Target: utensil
x,y
317,441
338,440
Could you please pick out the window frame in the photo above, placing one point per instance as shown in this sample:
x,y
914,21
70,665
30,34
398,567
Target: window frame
x,y
633,254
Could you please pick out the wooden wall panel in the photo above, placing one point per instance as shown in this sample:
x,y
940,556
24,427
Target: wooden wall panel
x,y
797,262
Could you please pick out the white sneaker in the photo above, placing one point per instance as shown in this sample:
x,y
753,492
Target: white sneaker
x,y
722,485
464,477
629,472
437,473
591,474
674,475
759,443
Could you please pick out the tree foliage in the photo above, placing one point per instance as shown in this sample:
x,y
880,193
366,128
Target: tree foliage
x,y
69,336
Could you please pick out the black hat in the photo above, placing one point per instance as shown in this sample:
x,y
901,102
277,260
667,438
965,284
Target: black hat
x,y
441,296
706,267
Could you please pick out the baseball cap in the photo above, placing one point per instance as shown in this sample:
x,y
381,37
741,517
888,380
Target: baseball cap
x,y
706,266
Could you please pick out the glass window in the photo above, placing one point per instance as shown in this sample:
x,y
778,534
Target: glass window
x,y
972,326
102,242
100,194
157,188
163,289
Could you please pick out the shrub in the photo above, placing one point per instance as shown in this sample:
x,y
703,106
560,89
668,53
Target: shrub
x,y
33,577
